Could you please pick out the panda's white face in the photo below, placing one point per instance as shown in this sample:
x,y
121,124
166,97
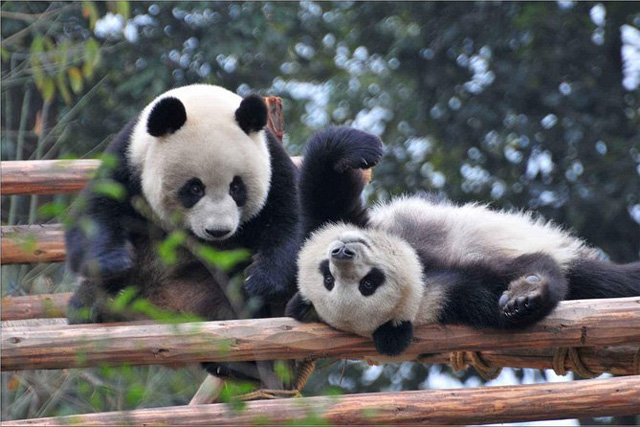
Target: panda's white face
x,y
209,175
360,279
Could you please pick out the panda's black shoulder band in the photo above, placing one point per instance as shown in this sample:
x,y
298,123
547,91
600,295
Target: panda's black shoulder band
x,y
167,116
252,114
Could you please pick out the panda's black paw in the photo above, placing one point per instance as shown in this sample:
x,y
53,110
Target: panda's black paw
x,y
526,301
301,310
393,337
361,150
109,262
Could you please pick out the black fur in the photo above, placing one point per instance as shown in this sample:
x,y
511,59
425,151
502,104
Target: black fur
x,y
252,114
392,339
330,182
301,310
238,191
371,282
167,116
191,192
589,278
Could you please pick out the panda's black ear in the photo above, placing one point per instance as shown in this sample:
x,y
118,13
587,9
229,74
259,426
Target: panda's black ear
x,y
167,116
251,115
301,310
393,337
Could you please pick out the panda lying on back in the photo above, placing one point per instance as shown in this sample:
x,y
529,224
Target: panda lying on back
x,y
421,260
201,160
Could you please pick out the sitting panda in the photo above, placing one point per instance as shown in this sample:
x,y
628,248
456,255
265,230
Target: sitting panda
x,y
418,260
199,157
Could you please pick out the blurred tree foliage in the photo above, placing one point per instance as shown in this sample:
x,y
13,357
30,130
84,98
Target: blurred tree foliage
x,y
520,104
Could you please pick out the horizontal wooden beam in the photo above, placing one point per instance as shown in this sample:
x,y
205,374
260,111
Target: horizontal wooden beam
x,y
587,323
41,306
481,405
46,176
27,244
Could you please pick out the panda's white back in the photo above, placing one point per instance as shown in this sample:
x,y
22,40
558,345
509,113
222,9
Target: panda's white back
x,y
459,234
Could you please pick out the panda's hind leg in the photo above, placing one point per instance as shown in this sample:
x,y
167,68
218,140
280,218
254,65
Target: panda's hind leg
x,y
538,285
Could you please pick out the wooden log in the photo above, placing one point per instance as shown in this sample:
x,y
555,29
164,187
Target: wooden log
x,y
46,176
481,405
587,323
622,360
35,306
25,244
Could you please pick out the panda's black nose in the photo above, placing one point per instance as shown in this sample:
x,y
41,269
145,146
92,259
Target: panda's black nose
x,y
343,253
217,233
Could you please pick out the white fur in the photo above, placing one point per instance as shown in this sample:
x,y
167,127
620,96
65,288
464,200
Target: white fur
x,y
210,146
473,231
344,307
401,230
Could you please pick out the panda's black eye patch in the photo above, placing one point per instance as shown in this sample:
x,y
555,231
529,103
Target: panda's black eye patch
x,y
191,192
371,282
328,279
238,191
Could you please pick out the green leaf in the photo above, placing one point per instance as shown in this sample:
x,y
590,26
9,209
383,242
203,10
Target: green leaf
x,y
62,87
135,394
123,299
91,57
37,45
110,188
48,89
89,11
51,210
75,79
122,7
167,248
282,370
222,259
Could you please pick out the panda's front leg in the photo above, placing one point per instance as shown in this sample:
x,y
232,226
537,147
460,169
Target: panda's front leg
x,y
272,274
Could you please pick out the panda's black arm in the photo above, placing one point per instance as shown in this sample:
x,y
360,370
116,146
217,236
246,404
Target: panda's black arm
x,y
331,183
97,239
274,235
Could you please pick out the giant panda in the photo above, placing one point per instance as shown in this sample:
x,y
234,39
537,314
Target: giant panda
x,y
200,159
418,260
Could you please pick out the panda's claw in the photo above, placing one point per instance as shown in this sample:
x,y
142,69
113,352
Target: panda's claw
x,y
522,303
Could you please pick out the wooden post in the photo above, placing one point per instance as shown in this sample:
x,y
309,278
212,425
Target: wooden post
x,y
482,405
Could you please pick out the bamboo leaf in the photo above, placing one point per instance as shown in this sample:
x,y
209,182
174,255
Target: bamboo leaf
x,y
48,89
90,12
122,7
62,87
75,79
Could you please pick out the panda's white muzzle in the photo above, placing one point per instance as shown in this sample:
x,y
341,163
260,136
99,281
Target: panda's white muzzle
x,y
214,220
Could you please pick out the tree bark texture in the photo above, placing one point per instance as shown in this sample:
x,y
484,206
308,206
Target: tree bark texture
x,y
586,398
